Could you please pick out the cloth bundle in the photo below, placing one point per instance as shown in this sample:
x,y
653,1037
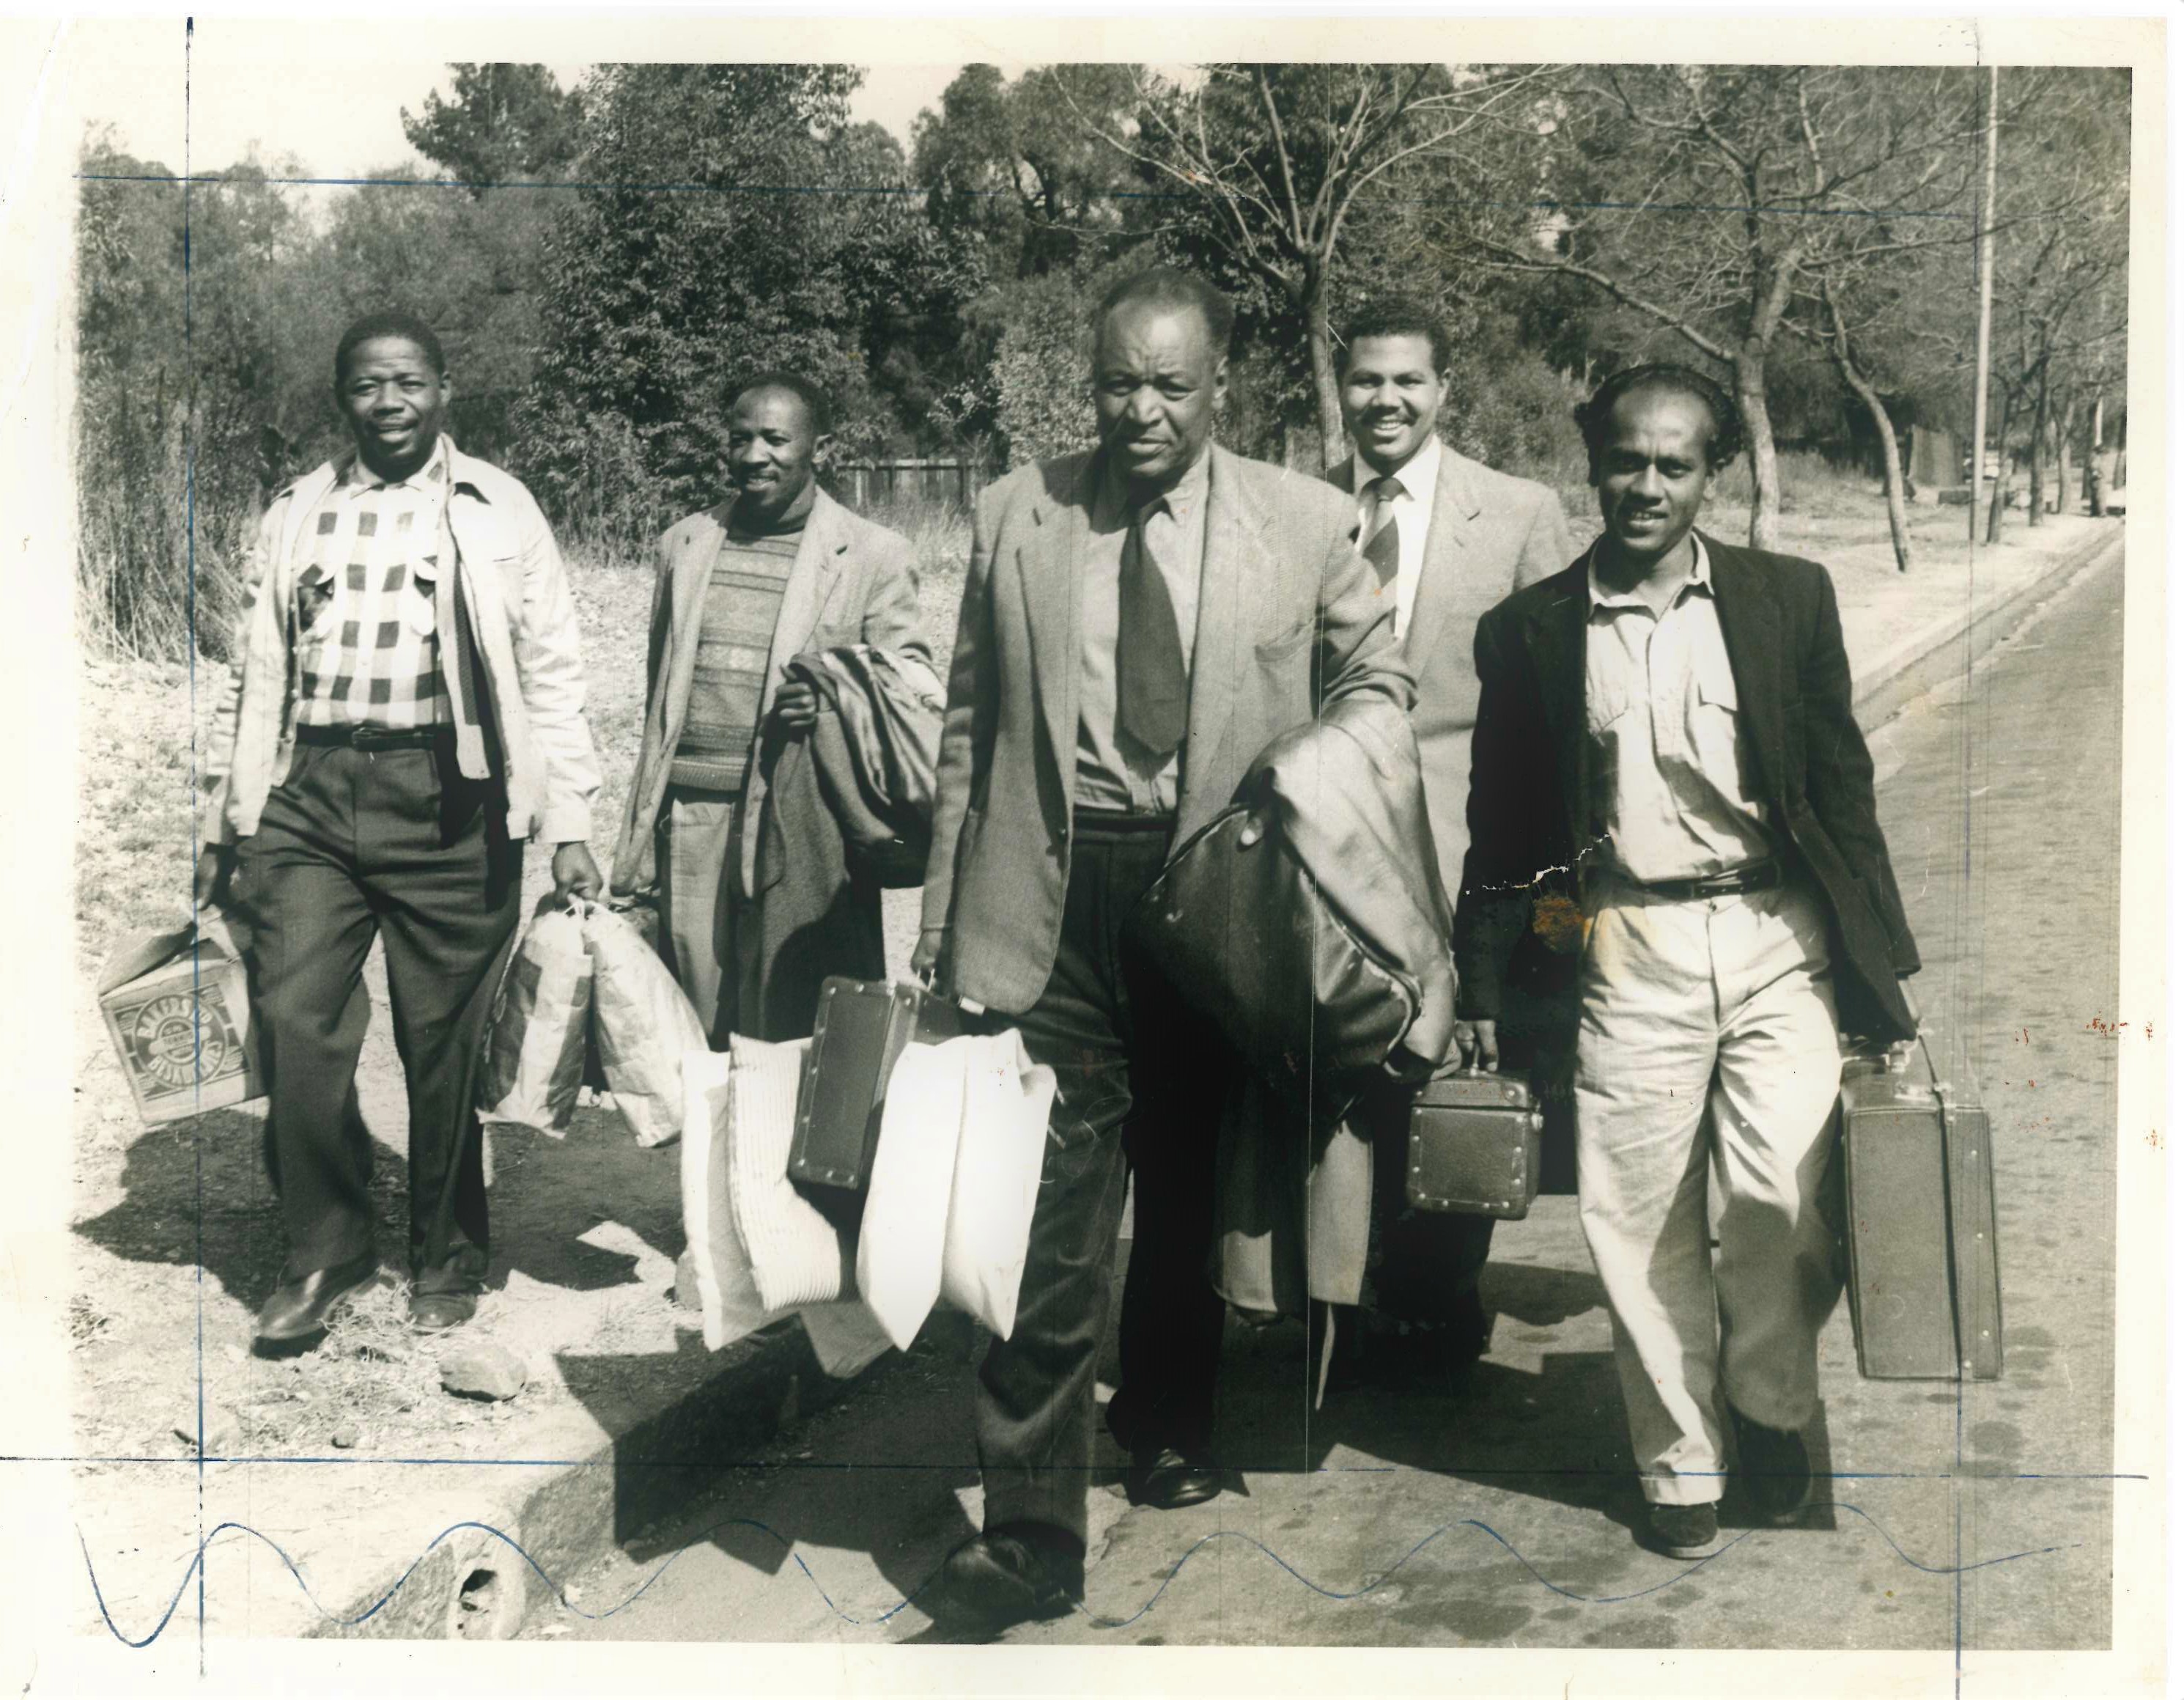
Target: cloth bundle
x,y
534,1058
741,1091
586,972
962,1139
947,1215
646,1026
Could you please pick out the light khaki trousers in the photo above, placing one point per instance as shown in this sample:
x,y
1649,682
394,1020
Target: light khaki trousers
x,y
1706,1056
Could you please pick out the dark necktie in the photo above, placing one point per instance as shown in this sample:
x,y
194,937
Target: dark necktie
x,y
1384,546
1152,684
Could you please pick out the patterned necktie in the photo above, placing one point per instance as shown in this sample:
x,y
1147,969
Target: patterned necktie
x,y
1384,546
1152,684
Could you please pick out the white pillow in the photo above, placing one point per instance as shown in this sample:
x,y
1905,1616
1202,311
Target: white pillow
x,y
797,1256
1006,1099
913,1172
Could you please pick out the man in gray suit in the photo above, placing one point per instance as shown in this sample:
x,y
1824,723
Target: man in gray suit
x,y
1447,538
1139,623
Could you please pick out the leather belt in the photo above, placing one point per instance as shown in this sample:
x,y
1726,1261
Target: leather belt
x,y
373,737
1758,876
1106,821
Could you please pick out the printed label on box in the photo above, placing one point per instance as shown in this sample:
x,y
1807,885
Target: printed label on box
x,y
175,1041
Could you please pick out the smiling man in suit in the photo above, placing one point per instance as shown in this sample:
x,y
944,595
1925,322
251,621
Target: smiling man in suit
x,y
779,568
1139,623
1447,538
1668,778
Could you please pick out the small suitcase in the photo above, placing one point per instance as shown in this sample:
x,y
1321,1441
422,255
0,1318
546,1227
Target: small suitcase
x,y
1474,1144
1925,1289
858,1031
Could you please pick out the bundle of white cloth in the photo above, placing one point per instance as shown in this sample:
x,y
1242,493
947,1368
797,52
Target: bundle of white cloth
x,y
947,1214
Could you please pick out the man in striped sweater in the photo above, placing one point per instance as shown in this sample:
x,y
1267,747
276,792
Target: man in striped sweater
x,y
777,569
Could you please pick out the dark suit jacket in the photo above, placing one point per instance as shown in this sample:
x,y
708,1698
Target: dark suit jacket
x,y
1531,848
1288,617
1488,534
852,583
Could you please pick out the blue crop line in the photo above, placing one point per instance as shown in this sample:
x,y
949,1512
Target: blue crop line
x,y
905,189
197,1565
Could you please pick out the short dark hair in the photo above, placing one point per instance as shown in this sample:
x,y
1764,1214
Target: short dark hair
x,y
1167,288
817,407
390,321
1392,315
1724,443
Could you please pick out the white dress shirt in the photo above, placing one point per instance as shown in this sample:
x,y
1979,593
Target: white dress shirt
x,y
1411,511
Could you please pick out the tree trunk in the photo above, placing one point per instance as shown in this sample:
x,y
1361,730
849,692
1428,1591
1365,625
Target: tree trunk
x,y
2097,485
2064,498
1760,433
1319,341
2036,497
1891,463
2001,472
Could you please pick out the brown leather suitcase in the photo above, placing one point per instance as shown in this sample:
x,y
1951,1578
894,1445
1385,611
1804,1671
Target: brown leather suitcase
x,y
1925,1288
858,1031
1474,1144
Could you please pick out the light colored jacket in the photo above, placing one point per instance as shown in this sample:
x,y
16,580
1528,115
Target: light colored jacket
x,y
1488,534
525,622
852,581
1289,618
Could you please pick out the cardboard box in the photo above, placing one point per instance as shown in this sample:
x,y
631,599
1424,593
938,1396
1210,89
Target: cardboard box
x,y
181,1020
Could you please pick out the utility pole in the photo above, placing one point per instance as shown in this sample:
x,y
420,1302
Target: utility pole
x,y
1986,307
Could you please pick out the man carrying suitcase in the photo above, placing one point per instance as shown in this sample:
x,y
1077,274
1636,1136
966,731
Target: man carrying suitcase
x,y
1668,781
1136,624
1448,538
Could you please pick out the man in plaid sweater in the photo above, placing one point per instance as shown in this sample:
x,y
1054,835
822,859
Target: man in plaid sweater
x,y
404,708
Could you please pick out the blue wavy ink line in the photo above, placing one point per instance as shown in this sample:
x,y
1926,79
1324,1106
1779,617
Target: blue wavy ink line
x,y
1096,1620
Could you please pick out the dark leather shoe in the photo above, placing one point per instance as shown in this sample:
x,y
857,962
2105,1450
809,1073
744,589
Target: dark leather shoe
x,y
1778,1474
299,1310
1163,1479
431,1312
1681,1531
995,1580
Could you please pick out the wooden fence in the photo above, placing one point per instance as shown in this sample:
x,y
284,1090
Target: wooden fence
x,y
891,483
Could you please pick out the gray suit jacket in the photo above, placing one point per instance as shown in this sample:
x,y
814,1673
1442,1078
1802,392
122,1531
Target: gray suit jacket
x,y
852,583
1289,618
1490,534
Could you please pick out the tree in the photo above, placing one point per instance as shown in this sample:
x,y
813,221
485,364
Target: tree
x,y
1275,160
1713,201
730,219
506,123
178,370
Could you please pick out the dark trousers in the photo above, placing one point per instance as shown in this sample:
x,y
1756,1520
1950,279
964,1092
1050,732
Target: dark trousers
x,y
1140,1082
394,844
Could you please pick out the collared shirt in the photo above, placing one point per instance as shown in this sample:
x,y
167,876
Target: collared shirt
x,y
1112,772
1672,787
368,650
1411,512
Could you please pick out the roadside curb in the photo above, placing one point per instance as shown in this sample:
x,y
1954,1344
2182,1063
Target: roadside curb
x,y
662,1447
1946,648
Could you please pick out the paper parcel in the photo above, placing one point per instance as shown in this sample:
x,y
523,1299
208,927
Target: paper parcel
x,y
181,1025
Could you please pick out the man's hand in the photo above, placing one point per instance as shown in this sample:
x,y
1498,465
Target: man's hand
x,y
215,866
796,705
574,874
1910,1002
1476,1045
925,958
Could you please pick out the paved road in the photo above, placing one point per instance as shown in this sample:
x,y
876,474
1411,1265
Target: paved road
x,y
1499,1515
